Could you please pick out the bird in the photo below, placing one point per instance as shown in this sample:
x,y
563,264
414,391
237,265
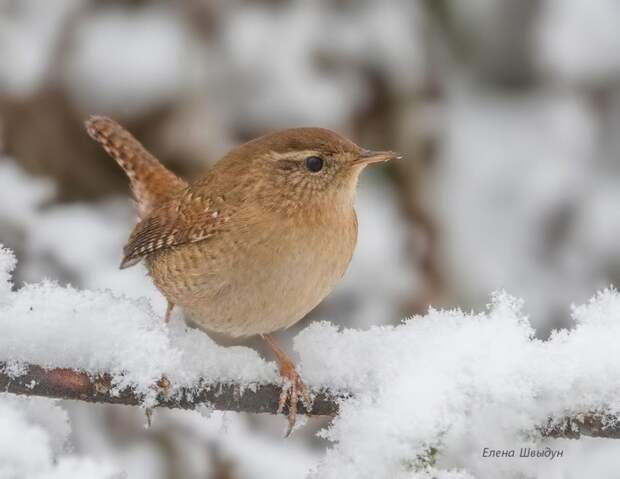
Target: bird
x,y
255,244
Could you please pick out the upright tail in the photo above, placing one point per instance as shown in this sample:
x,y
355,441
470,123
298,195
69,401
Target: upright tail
x,y
152,184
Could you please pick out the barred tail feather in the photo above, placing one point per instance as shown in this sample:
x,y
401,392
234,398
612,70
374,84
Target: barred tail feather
x,y
152,184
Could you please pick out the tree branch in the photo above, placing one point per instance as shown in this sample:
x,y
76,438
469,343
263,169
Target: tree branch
x,y
71,384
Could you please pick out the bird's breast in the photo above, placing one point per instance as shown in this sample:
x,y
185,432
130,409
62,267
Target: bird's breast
x,y
260,278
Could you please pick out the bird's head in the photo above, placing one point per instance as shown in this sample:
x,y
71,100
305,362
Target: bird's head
x,y
305,167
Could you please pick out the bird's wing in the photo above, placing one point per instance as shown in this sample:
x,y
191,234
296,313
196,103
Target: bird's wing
x,y
152,183
188,218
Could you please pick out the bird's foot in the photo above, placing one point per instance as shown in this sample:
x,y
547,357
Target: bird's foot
x,y
293,390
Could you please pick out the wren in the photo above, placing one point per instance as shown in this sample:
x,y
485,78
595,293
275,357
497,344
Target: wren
x,y
255,244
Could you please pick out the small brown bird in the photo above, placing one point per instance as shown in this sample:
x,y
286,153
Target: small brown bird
x,y
258,242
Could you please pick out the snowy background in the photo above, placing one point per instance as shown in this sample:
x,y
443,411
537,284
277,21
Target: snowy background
x,y
507,114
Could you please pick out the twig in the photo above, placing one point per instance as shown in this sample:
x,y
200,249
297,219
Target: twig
x,y
596,424
71,384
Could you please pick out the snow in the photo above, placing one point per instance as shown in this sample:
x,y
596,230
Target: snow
x,y
29,32
100,331
149,52
89,257
255,455
20,194
109,331
524,192
33,433
448,381
276,88
459,382
315,78
516,178
91,254
578,41
7,265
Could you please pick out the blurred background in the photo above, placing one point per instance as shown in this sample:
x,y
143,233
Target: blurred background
x,y
507,114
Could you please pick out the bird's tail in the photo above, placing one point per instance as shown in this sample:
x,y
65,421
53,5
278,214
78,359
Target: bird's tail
x,y
152,183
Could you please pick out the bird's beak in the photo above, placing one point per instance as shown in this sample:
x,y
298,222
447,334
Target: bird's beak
x,y
368,157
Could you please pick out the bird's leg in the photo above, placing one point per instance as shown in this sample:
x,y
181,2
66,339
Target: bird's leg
x,y
169,309
293,387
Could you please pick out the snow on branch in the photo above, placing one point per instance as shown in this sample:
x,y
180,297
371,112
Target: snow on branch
x,y
64,383
411,395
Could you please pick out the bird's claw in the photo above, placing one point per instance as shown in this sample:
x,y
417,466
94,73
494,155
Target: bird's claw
x,y
293,390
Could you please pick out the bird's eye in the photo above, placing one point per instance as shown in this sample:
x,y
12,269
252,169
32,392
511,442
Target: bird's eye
x,y
314,164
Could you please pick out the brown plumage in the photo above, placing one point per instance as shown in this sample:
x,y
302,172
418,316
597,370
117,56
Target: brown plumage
x,y
255,244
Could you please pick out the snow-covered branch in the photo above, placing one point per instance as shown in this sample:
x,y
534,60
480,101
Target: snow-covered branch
x,y
413,394
64,383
